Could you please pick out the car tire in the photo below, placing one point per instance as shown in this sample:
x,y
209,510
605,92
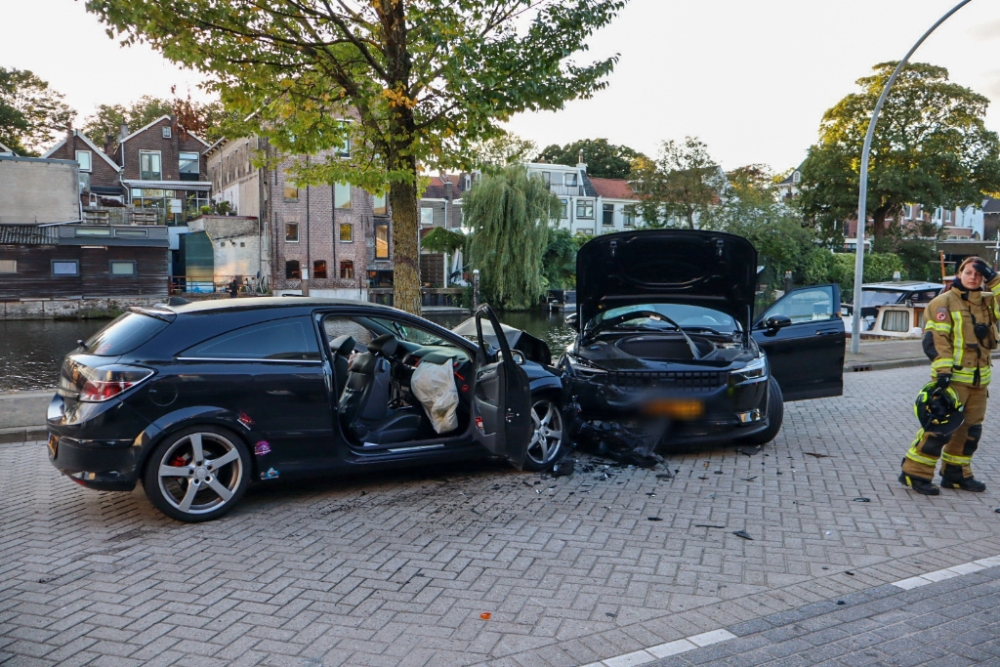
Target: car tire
x,y
775,415
548,437
198,473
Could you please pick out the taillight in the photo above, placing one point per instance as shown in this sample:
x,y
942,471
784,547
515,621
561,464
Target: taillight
x,y
105,382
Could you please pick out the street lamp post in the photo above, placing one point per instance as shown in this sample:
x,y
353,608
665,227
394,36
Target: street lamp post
x,y
859,258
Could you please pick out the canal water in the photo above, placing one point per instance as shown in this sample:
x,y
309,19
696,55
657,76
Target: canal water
x,y
31,352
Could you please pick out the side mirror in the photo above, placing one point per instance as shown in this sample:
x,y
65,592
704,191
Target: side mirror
x,y
516,355
775,322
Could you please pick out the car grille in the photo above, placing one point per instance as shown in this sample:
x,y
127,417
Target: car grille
x,y
691,380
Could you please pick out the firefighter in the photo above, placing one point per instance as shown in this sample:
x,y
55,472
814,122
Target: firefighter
x,y
959,336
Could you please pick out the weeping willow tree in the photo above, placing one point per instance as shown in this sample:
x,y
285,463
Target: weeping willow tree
x,y
509,213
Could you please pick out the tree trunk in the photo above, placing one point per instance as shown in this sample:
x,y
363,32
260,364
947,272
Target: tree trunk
x,y
405,249
878,224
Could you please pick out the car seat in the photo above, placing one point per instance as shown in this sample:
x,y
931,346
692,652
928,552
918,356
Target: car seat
x,y
342,348
365,402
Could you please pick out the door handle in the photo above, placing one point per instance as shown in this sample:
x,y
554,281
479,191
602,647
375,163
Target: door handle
x,y
827,333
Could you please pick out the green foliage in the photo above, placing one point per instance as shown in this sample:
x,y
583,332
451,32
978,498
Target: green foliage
x,y
31,114
878,267
679,186
509,213
930,146
497,152
603,160
440,239
420,81
208,120
559,260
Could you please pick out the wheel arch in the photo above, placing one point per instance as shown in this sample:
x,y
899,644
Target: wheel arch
x,y
178,420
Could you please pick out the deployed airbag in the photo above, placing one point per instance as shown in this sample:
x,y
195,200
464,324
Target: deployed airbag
x,y
434,387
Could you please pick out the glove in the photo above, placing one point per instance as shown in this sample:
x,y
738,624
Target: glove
x,y
943,380
983,269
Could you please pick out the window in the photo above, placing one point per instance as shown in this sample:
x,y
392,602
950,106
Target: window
x,y
124,335
426,216
569,179
609,215
342,195
167,133
629,216
83,158
585,209
291,232
346,233
123,268
292,271
379,204
565,209
796,177
65,267
347,270
547,177
806,305
91,231
150,166
947,216
381,240
188,165
290,340
84,179
8,266
291,192
319,269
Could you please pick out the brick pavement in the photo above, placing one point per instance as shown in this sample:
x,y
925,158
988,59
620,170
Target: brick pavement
x,y
397,569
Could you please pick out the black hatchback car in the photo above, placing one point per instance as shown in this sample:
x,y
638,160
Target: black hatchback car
x,y
668,350
196,400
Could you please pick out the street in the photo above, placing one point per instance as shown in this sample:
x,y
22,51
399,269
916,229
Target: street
x,y
484,565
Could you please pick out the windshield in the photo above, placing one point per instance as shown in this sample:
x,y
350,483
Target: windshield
x,y
687,316
878,298
124,334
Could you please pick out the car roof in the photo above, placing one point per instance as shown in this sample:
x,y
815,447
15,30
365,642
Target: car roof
x,y
268,303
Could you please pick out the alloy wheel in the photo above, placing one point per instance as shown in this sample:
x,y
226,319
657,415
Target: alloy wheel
x,y
200,472
547,434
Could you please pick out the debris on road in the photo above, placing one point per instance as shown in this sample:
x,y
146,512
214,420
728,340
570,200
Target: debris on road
x,y
707,525
862,500
819,456
748,451
654,518
742,533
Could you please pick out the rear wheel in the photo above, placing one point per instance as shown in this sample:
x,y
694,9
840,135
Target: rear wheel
x,y
548,434
197,474
775,415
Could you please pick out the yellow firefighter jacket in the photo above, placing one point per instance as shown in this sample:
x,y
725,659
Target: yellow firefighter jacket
x,y
950,333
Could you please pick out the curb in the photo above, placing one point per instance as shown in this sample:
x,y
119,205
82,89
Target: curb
x,y
23,434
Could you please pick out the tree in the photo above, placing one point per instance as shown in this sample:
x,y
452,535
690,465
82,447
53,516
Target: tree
x,y
500,151
559,259
207,120
509,213
603,160
31,113
409,84
930,147
681,184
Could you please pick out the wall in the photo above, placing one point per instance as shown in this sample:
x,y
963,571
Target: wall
x,y
47,309
36,190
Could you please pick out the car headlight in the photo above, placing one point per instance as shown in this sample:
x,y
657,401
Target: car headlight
x,y
754,370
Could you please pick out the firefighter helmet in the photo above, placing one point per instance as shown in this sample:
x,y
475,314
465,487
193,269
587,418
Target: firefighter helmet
x,y
939,409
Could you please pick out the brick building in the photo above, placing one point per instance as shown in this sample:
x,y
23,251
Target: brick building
x,y
336,237
100,182
162,168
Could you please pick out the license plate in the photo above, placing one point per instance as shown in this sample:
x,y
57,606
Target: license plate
x,y
676,409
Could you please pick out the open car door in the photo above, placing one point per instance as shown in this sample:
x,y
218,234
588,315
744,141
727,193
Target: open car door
x,y
501,398
803,336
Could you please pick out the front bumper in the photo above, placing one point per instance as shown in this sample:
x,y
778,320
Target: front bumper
x,y
632,417
86,444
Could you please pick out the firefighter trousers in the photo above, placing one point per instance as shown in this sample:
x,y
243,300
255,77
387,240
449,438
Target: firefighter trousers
x,y
955,452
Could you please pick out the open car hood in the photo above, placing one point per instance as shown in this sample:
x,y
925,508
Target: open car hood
x,y
705,268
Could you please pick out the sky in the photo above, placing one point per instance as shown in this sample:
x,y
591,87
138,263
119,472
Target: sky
x,y
750,78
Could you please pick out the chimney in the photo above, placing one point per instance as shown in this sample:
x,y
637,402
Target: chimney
x,y
579,161
109,144
122,131
447,186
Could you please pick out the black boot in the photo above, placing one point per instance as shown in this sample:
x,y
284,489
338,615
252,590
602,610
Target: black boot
x,y
919,484
952,478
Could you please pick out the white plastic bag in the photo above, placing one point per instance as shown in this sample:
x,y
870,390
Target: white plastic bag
x,y
434,387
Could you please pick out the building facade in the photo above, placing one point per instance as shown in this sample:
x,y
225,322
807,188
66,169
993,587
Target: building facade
x,y
590,206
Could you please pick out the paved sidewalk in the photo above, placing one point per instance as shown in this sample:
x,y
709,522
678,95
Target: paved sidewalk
x,y
399,569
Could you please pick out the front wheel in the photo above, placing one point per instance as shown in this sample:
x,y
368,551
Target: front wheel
x,y
775,415
197,474
548,436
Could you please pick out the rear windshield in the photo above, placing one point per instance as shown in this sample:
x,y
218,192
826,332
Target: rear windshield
x,y
124,335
